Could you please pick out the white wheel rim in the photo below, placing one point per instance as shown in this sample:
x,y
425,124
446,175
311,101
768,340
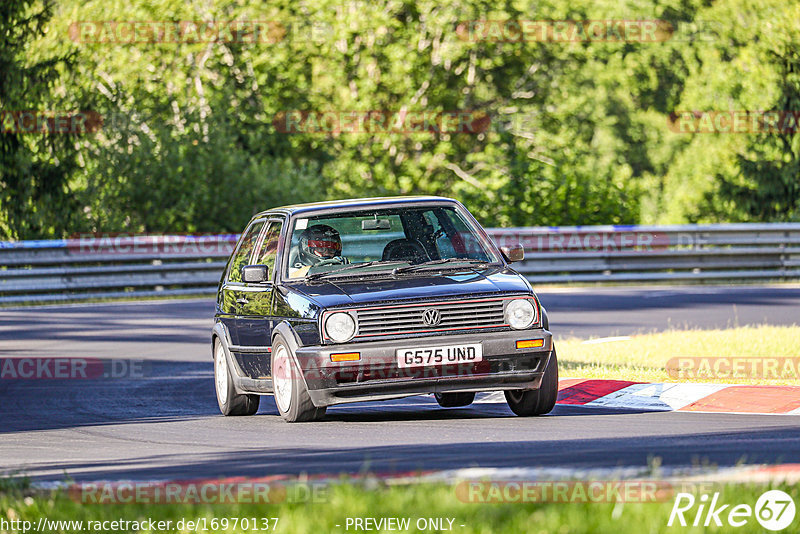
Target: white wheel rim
x,y
221,375
282,380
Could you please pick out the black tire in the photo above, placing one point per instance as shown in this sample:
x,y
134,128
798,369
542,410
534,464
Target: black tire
x,y
454,400
300,408
537,401
229,401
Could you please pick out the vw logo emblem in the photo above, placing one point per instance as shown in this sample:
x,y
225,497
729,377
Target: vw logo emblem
x,y
431,317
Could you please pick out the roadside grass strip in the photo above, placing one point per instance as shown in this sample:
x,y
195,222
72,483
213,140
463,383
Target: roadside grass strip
x,y
750,369
747,355
540,500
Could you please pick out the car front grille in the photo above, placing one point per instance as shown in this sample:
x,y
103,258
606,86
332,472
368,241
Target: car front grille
x,y
381,321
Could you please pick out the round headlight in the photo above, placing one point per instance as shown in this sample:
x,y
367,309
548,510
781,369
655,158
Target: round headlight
x,y
520,313
340,327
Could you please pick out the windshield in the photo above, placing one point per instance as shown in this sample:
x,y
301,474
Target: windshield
x,y
380,239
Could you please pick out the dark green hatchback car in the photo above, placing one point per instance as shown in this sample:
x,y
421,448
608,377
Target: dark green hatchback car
x,y
372,299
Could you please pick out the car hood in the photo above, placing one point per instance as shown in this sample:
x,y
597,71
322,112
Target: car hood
x,y
345,292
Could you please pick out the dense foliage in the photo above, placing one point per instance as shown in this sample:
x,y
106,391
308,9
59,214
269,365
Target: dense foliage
x,y
578,131
35,170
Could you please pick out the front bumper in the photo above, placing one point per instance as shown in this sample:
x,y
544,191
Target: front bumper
x,y
376,376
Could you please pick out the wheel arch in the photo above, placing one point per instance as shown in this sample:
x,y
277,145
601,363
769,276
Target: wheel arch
x,y
220,332
545,319
285,330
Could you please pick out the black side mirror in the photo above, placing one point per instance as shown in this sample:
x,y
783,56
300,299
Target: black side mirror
x,y
254,274
513,253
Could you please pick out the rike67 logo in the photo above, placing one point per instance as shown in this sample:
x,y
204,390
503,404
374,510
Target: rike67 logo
x,y
774,510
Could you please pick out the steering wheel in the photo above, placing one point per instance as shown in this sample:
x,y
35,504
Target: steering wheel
x,y
336,260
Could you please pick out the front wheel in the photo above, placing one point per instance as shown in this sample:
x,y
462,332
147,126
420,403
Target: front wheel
x,y
537,401
291,396
230,402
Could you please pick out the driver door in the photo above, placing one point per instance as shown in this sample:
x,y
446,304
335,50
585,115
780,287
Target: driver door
x,y
255,322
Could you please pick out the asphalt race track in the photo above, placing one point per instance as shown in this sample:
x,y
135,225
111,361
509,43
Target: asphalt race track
x,y
165,424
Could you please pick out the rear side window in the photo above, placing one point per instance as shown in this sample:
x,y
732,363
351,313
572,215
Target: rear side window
x,y
242,256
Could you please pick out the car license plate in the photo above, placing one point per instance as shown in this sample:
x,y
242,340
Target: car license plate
x,y
444,355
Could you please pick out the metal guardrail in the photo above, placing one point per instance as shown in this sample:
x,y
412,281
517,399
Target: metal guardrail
x,y
96,267
140,266
657,253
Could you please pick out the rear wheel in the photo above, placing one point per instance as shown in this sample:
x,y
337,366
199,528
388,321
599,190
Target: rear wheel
x,y
454,400
291,396
537,401
230,402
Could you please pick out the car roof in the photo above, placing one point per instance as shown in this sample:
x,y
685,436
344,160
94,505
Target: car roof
x,y
359,203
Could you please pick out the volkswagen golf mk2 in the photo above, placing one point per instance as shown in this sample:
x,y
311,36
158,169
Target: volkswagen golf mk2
x,y
374,299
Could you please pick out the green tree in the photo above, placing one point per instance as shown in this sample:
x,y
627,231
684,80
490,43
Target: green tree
x,y
767,187
750,64
578,131
35,168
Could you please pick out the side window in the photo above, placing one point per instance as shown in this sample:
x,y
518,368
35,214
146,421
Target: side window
x,y
269,248
242,256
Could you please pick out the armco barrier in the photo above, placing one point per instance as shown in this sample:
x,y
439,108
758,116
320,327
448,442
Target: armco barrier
x,y
112,266
105,267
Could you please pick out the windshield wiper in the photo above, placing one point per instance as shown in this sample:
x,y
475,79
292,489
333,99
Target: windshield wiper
x,y
435,263
323,274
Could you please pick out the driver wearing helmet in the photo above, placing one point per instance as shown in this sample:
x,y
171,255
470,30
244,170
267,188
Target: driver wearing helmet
x,y
319,245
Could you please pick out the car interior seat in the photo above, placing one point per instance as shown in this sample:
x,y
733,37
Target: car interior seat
x,y
409,250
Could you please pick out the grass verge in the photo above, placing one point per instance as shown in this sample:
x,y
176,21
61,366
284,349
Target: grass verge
x,y
123,298
645,357
439,501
